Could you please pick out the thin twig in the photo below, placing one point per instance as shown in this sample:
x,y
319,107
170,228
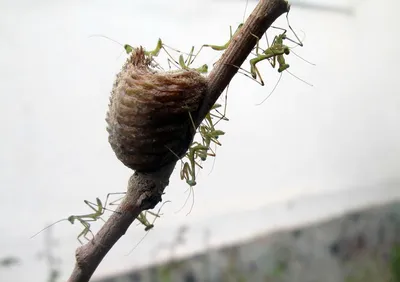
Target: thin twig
x,y
145,189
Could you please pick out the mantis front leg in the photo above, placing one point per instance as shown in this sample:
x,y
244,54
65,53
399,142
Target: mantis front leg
x,y
142,218
85,230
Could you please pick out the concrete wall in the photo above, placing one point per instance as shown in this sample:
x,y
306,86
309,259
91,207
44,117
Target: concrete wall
x,y
353,247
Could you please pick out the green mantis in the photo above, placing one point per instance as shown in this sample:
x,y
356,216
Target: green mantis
x,y
129,49
208,134
273,53
188,171
276,54
204,69
142,218
184,64
84,219
200,150
99,210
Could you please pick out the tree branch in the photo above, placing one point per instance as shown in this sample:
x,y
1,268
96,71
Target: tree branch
x,y
264,14
145,189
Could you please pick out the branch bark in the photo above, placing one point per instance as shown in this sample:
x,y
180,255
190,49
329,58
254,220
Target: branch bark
x,y
145,189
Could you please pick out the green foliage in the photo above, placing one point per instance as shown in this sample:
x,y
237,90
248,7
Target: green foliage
x,y
395,263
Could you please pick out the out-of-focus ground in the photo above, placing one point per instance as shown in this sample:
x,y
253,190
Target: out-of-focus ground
x,y
362,245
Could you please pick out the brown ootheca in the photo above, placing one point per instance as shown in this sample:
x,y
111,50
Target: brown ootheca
x,y
149,122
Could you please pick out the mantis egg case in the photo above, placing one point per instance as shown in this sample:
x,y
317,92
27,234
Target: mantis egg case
x,y
148,118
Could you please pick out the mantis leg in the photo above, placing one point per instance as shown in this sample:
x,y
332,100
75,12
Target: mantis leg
x,y
184,64
99,206
223,47
282,64
156,51
257,44
97,212
143,220
190,172
299,41
220,116
204,68
254,70
85,230
113,202
156,215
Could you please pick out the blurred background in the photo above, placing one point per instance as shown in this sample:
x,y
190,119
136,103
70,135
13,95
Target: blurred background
x,y
309,153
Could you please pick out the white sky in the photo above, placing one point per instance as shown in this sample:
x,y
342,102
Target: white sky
x,y
341,133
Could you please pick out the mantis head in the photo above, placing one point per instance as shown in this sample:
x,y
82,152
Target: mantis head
x,y
71,219
203,69
286,50
217,133
128,48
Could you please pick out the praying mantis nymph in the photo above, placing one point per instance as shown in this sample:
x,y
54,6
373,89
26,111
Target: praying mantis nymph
x,y
129,49
184,64
84,219
275,52
188,171
188,168
197,150
142,218
209,133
